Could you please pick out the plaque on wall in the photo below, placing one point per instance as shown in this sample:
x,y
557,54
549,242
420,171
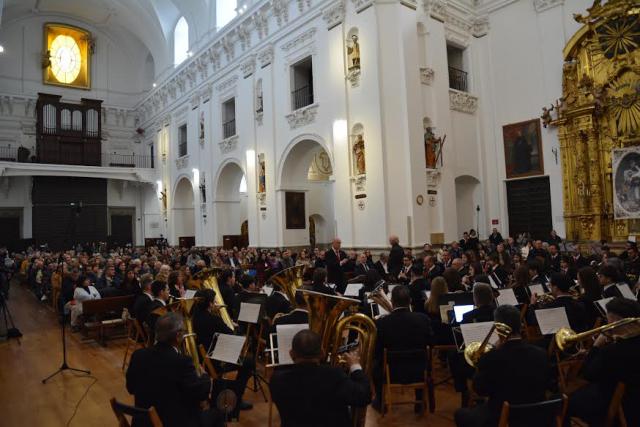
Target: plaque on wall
x,y
626,183
295,210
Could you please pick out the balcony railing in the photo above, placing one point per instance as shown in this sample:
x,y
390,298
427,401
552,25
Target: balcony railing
x,y
302,97
229,128
127,161
24,155
457,79
182,149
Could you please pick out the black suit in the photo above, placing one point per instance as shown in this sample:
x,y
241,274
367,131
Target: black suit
x,y
554,263
436,271
152,317
417,290
361,270
141,307
517,372
335,273
576,313
500,276
160,377
604,367
277,303
310,395
395,260
378,266
611,292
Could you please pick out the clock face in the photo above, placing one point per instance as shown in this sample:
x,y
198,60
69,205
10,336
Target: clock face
x,y
66,59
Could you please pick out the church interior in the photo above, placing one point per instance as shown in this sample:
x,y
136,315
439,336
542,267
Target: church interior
x,y
319,213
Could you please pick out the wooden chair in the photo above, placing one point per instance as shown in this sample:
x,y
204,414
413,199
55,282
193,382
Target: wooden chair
x,y
136,337
121,410
545,412
615,408
206,362
389,387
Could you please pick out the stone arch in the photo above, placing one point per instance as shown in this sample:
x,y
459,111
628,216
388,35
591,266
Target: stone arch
x,y
183,209
308,141
231,206
468,197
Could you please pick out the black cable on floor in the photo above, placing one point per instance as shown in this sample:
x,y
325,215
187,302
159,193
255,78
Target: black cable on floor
x,y
75,410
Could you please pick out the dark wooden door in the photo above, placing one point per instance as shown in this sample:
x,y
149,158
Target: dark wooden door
x,y
121,229
10,232
529,204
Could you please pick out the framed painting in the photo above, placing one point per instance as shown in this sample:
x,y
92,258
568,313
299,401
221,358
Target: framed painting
x,y
625,163
295,210
523,149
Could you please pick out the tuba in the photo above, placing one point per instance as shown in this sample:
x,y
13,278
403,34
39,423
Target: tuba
x,y
324,319
566,338
207,279
475,350
289,280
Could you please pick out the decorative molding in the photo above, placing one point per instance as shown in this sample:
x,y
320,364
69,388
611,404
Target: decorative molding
x,y
227,84
433,177
480,26
437,9
262,199
542,5
261,22
411,4
227,145
360,182
195,101
182,162
361,5
302,3
426,75
281,11
265,56
206,92
300,39
334,14
248,67
302,116
462,101
259,116
353,76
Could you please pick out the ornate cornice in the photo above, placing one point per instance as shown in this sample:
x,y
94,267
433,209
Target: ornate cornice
x,y
230,82
480,26
426,75
302,117
333,15
182,162
300,39
227,145
265,57
462,101
248,67
361,5
542,5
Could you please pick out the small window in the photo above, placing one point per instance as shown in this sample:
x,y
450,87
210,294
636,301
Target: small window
x,y
302,77
180,42
457,69
182,140
229,118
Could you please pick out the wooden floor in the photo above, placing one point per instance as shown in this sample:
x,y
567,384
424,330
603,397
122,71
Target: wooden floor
x,y
25,401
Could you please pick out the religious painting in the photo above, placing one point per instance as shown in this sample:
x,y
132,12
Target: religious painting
x,y
626,182
359,164
262,174
295,210
66,57
523,149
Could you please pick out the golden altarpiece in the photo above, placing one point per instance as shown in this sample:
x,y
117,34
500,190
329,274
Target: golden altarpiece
x,y
599,111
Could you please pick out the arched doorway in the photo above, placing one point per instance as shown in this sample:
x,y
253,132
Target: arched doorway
x,y
184,214
306,194
468,197
231,205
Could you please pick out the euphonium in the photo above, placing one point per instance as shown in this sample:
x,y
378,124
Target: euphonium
x,y
289,280
208,280
543,299
379,297
475,350
565,338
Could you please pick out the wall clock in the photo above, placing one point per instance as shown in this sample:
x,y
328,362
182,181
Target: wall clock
x,y
67,57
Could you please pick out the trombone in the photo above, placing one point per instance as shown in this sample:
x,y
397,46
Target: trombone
x,y
566,338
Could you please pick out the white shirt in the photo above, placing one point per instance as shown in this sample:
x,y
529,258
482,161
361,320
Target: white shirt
x,y
81,295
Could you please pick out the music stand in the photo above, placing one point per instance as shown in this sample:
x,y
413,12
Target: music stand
x,y
260,299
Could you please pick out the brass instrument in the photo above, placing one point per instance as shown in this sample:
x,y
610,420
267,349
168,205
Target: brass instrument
x,y
324,319
544,299
379,297
207,279
566,338
289,280
475,350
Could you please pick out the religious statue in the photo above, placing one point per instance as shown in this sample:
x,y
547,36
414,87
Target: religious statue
x,y
353,50
432,148
546,116
202,127
259,100
203,190
163,197
358,155
262,176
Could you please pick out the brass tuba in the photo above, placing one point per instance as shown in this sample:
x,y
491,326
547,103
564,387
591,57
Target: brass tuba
x,y
207,279
289,280
324,319
475,350
566,338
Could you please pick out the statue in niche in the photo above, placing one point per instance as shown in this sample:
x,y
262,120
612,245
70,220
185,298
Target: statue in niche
x,y
358,155
202,127
259,98
432,148
163,197
262,176
353,50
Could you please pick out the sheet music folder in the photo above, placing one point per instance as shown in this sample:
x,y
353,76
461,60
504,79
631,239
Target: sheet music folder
x,y
226,348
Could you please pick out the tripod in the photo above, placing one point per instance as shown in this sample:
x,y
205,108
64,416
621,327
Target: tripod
x,y
12,332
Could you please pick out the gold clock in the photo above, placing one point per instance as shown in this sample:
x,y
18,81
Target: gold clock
x,y
66,61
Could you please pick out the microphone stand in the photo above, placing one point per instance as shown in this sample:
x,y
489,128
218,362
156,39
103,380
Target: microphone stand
x,y
65,366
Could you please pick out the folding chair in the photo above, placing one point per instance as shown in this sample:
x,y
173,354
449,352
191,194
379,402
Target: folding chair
x,y
136,337
121,411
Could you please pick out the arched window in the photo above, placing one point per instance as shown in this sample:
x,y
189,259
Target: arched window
x,y
225,12
180,41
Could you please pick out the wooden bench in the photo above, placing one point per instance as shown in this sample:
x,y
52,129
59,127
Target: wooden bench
x,y
105,315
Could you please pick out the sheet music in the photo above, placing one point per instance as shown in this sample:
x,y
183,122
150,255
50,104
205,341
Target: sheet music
x,y
444,311
228,348
492,282
353,289
602,303
625,290
391,289
285,335
507,297
249,312
550,320
536,289
477,332
267,290
190,294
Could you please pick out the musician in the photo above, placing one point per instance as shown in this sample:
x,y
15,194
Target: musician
x,y
247,287
161,294
520,283
608,276
401,330
607,363
396,254
514,371
496,271
566,266
297,316
382,265
418,288
311,394
161,377
404,276
590,293
432,268
336,259
206,324
277,302
320,282
227,283
143,301
560,285
632,264
535,273
554,258
363,265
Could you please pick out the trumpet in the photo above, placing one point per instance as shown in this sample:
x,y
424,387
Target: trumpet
x,y
566,338
475,350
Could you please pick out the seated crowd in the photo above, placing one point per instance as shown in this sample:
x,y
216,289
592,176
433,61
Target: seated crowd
x,y
541,274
